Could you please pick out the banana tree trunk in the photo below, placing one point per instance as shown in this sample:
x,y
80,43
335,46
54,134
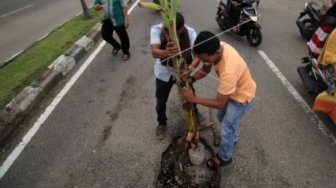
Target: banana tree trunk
x,y
168,14
187,107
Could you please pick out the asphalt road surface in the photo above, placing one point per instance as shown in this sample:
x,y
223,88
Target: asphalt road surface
x,y
22,22
101,132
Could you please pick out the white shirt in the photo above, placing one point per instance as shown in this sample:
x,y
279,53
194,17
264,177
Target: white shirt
x,y
164,72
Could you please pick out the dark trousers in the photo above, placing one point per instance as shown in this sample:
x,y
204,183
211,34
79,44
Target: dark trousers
x,y
162,93
234,12
107,35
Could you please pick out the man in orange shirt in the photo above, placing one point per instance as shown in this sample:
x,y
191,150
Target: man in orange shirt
x,y
235,92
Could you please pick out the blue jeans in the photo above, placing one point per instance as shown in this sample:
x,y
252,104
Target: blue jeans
x,y
229,117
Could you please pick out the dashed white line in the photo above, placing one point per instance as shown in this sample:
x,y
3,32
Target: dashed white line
x,y
15,11
320,125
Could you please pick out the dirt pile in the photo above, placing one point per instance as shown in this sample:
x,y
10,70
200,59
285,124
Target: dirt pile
x,y
177,170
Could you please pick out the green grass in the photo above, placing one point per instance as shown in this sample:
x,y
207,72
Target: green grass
x,y
34,61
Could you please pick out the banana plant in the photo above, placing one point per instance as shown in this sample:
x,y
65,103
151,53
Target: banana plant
x,y
168,15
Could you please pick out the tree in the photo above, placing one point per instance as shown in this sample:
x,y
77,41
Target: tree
x,y
168,15
86,12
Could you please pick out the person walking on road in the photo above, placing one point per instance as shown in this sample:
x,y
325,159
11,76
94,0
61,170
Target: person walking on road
x,y
115,19
163,50
235,92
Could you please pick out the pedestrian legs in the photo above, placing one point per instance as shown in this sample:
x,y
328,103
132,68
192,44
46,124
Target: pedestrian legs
x,y
107,34
122,33
162,93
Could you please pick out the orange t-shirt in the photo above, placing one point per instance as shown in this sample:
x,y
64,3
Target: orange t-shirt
x,y
235,77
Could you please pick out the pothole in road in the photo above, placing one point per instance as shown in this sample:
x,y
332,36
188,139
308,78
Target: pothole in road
x,y
178,171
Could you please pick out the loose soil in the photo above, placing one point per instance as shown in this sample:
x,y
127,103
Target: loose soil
x,y
177,170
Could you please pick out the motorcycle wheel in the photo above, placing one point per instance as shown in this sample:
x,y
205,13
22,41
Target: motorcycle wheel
x,y
254,36
220,22
311,85
307,23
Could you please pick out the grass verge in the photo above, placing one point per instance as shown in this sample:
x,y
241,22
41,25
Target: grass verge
x,y
34,61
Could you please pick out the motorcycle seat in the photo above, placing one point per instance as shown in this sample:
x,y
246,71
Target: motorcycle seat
x,y
315,6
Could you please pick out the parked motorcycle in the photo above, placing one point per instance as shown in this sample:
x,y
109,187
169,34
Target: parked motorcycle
x,y
256,3
251,29
310,23
316,79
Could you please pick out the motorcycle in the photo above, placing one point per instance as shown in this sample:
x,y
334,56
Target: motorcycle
x,y
251,29
308,25
316,79
256,3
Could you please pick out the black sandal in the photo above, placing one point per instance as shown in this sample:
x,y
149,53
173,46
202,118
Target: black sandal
x,y
115,51
161,131
125,57
216,162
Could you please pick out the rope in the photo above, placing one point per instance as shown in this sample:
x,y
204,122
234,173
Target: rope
x,y
239,24
221,33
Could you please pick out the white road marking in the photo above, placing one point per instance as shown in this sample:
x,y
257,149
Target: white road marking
x,y
26,139
133,6
314,118
13,56
15,11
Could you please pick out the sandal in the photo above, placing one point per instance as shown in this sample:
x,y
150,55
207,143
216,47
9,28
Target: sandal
x,y
216,162
125,57
217,141
115,51
161,131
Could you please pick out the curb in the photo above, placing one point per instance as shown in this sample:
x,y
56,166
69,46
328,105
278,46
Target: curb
x,y
18,109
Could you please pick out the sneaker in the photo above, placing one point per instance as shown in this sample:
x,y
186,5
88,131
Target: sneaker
x,y
161,131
